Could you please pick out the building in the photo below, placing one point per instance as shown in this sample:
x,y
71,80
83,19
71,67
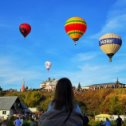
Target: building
x,y
23,87
49,85
11,105
85,88
116,84
102,117
33,110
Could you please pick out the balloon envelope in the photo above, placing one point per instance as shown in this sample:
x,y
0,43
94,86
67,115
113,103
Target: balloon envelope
x,y
75,27
48,65
110,43
25,29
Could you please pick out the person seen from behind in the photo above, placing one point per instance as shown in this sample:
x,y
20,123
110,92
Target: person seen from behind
x,y
64,97
4,123
119,121
101,123
21,120
17,122
85,120
32,122
63,103
107,122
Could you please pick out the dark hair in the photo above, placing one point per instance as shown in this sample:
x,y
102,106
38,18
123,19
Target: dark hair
x,y
107,119
63,95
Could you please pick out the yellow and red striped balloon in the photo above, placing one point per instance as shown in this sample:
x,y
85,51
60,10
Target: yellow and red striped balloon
x,y
75,27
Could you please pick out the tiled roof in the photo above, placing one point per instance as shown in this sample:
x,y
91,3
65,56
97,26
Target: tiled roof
x,y
7,102
102,84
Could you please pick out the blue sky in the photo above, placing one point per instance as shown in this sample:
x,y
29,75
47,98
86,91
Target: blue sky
x,y
23,58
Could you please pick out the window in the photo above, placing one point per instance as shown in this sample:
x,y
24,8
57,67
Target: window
x,y
4,112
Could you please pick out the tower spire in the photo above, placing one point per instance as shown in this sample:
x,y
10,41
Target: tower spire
x,y
23,86
117,81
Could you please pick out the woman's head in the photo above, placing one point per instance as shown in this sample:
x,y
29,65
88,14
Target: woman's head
x,y
64,94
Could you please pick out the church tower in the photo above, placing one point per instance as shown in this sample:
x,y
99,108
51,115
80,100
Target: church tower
x,y
117,83
23,87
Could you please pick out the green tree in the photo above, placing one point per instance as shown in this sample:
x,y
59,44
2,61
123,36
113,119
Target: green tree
x,y
115,107
1,88
26,88
44,104
32,98
79,86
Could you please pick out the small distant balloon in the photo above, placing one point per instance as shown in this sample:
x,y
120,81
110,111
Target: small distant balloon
x,y
25,29
75,27
48,65
110,43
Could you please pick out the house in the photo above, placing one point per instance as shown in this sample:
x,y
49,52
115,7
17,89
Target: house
x,y
85,87
102,117
49,85
33,110
116,84
11,105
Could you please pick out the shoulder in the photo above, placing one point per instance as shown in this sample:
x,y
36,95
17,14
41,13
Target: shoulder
x,y
51,106
77,108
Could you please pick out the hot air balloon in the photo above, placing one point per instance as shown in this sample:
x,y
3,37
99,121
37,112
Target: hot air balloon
x,y
25,29
75,27
110,43
48,65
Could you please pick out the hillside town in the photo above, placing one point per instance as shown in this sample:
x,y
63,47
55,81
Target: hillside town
x,y
50,84
14,106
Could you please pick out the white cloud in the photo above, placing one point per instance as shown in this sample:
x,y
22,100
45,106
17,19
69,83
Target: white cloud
x,y
80,57
91,74
10,73
116,20
119,3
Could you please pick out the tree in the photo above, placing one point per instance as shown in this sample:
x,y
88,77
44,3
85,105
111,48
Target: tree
x,y
26,88
1,88
79,86
115,106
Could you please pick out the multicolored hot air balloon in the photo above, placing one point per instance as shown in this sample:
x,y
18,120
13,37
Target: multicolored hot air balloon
x,y
75,27
25,29
110,43
48,65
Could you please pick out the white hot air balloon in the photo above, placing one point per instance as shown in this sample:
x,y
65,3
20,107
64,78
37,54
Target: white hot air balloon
x,y
110,43
48,65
